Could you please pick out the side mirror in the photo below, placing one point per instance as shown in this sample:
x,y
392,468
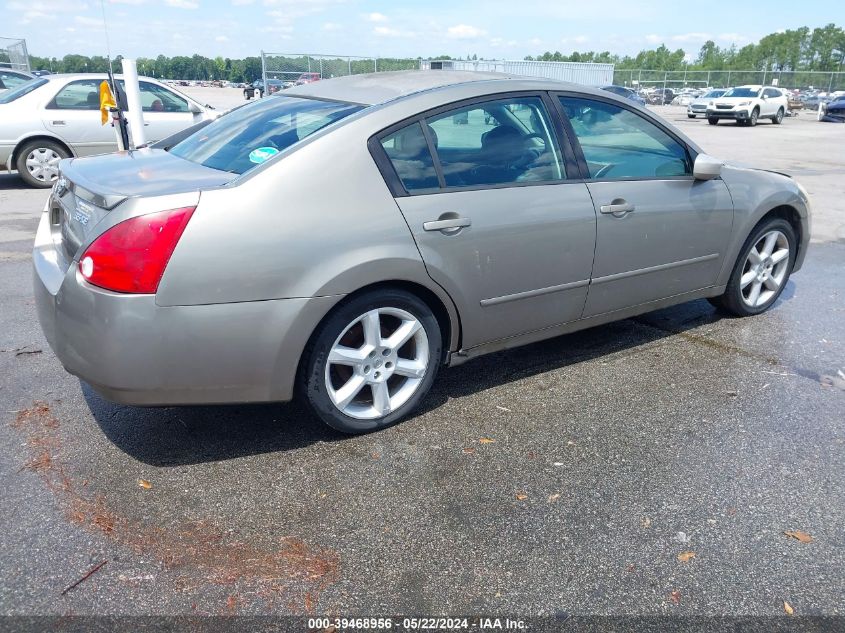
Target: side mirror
x,y
765,97
193,107
706,167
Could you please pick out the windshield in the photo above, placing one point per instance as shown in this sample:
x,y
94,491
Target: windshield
x,y
23,89
713,94
741,92
242,139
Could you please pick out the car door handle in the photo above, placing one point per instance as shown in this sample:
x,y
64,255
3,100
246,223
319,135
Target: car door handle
x,y
617,207
443,225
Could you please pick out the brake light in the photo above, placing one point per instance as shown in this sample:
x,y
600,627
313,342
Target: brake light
x,y
132,255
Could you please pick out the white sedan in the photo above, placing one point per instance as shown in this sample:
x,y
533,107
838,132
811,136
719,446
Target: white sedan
x,y
58,116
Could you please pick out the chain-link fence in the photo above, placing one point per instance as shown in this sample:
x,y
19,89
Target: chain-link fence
x,y
642,78
588,74
293,67
13,54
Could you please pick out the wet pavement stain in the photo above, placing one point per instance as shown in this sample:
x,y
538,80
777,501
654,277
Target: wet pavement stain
x,y
291,577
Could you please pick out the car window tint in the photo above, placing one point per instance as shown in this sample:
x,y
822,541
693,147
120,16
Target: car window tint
x,y
157,99
254,133
408,152
10,81
497,142
78,95
618,143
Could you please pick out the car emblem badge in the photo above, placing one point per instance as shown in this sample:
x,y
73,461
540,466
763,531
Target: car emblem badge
x,y
81,217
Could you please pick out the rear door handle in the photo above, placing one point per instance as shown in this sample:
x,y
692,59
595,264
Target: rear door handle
x,y
617,207
444,225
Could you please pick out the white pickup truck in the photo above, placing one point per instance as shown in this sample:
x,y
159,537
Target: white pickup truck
x,y
747,104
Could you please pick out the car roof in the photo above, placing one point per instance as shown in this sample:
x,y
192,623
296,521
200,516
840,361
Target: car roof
x,y
376,88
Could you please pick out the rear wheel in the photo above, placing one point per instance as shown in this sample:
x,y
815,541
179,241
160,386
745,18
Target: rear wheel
x,y
712,120
38,162
371,361
778,117
762,269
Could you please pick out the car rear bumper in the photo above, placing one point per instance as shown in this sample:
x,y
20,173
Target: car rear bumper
x,y
134,351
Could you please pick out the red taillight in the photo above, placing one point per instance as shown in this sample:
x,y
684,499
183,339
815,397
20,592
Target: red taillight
x,y
131,256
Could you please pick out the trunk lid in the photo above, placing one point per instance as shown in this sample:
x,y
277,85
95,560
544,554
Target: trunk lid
x,y
88,189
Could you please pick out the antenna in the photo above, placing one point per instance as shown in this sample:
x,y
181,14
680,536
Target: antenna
x,y
106,31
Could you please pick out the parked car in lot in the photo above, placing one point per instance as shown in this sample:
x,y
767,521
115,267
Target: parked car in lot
x,y
627,93
257,89
11,79
225,270
748,104
307,78
58,116
698,107
833,111
661,96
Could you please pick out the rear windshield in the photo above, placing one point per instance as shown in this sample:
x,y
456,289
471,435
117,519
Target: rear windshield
x,y
23,89
246,137
741,92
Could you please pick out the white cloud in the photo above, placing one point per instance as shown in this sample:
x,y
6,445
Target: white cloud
x,y
653,39
386,31
183,4
691,37
136,2
240,3
84,21
221,38
465,32
377,17
332,26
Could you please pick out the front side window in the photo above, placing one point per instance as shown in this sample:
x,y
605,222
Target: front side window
x,y
157,99
246,137
618,143
497,142
10,81
78,95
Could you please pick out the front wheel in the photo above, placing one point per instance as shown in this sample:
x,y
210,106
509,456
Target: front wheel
x,y
371,361
762,269
778,118
38,162
690,116
712,120
755,114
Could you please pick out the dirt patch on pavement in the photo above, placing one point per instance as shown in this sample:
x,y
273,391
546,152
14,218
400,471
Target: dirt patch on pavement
x,y
291,576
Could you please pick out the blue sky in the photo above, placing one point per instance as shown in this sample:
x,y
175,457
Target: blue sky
x,y
507,29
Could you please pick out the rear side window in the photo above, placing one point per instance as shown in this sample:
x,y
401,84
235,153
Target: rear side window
x,y
497,142
620,144
78,95
408,152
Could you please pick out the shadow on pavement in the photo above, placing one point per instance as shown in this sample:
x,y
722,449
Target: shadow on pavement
x,y
196,434
9,182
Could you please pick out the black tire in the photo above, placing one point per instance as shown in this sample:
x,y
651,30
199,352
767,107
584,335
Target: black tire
x,y
755,114
247,95
732,300
690,116
312,378
712,120
778,118
38,146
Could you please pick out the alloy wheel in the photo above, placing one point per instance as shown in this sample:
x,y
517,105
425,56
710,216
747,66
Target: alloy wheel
x,y
43,164
765,269
377,363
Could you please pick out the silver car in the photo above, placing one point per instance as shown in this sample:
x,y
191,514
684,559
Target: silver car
x,y
58,116
346,239
698,106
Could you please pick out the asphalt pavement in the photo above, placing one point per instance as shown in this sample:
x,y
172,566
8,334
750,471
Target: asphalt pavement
x,y
652,466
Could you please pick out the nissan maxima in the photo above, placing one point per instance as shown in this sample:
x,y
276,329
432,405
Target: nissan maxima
x,y
345,240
